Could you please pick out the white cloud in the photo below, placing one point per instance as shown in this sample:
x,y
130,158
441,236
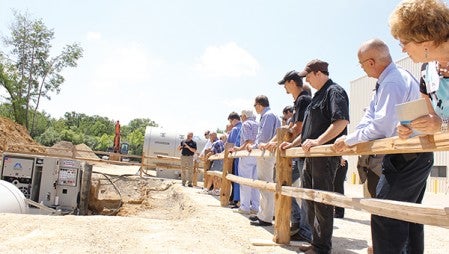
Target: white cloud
x,y
93,36
227,61
122,65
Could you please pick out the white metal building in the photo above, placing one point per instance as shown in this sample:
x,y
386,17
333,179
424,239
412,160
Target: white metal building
x,y
361,91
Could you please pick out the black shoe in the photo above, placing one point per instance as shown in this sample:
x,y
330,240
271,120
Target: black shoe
x,y
339,216
298,237
305,248
294,229
253,218
261,223
190,185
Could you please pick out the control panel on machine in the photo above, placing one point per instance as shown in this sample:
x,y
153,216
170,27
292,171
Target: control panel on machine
x,y
53,182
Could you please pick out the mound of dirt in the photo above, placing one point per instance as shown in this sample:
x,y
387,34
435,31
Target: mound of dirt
x,y
82,150
15,138
62,148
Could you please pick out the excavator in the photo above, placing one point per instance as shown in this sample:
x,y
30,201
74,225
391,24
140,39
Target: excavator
x,y
119,148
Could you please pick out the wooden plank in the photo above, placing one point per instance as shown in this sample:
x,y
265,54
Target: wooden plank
x,y
260,185
406,211
266,242
425,143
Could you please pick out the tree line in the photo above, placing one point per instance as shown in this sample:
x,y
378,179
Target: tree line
x,y
29,73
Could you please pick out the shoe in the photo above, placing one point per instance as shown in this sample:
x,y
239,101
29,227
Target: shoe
x,y
261,223
251,211
299,238
305,247
233,206
241,211
339,216
190,185
294,229
253,218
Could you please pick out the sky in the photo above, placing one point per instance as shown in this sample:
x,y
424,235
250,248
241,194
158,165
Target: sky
x,y
187,64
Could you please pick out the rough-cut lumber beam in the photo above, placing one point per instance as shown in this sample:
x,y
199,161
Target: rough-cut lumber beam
x,y
425,143
417,213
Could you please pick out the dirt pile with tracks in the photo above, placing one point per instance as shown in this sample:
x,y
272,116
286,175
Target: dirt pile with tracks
x,y
15,138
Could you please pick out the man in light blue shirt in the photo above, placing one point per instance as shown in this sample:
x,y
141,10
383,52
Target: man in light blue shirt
x,y
268,125
404,175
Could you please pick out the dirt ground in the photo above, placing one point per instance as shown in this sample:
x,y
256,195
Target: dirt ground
x,y
161,216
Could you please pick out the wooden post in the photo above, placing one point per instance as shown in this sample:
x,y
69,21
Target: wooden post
x,y
195,173
207,178
283,204
225,191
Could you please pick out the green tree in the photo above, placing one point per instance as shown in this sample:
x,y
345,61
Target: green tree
x,y
49,137
135,140
28,72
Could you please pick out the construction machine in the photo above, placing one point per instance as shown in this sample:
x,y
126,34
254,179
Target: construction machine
x,y
118,148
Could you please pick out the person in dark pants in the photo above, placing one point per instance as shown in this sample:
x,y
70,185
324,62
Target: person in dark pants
x,y
404,179
403,175
325,120
339,181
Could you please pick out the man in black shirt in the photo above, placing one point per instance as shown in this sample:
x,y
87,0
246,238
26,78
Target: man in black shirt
x,y
188,149
325,120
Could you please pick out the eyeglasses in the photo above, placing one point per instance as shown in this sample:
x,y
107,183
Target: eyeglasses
x,y
364,61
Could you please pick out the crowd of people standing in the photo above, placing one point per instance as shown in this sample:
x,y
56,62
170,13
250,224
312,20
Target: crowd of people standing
x,y
422,28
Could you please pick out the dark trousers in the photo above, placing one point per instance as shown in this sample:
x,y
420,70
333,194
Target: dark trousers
x,y
319,174
339,182
235,192
372,180
403,178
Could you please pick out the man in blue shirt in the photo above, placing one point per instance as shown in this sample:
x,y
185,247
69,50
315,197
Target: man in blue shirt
x,y
404,175
234,138
268,125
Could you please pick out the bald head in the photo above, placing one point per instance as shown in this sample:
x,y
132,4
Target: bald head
x,y
374,56
375,49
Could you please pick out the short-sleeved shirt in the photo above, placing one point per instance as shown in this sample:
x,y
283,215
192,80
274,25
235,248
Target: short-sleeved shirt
x,y
300,106
440,97
217,146
234,135
186,151
249,130
329,104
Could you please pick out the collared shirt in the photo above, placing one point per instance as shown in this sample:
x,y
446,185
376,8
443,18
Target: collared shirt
x,y
217,146
395,86
185,151
328,105
300,105
234,135
249,130
269,122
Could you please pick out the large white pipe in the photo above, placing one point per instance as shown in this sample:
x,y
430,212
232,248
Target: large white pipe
x,y
12,199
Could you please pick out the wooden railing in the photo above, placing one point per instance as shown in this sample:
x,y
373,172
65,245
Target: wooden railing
x,y
418,213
